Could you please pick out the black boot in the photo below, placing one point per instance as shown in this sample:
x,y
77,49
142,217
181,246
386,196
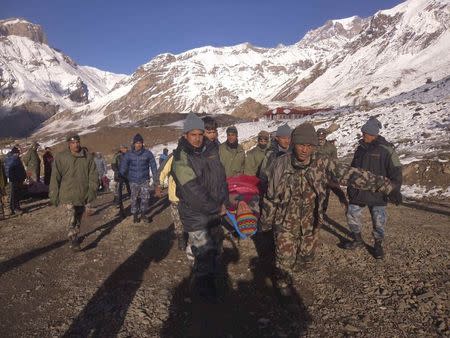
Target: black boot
x,y
378,251
75,245
357,243
136,218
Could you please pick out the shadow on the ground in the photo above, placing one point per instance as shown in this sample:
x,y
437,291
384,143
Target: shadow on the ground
x,y
250,309
105,231
419,206
103,316
27,256
336,229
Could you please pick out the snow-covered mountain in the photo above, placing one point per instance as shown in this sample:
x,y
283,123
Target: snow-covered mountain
x,y
36,80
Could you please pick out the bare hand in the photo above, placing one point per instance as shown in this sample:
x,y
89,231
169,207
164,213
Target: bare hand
x,y
223,210
158,192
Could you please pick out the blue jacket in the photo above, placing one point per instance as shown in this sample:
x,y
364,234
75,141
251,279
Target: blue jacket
x,y
14,168
135,165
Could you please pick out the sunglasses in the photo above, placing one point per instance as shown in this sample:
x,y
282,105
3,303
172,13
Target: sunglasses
x,y
263,139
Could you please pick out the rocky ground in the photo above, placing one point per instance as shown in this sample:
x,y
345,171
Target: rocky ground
x,y
131,281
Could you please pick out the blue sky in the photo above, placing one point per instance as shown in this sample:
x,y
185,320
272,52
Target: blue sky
x,y
119,36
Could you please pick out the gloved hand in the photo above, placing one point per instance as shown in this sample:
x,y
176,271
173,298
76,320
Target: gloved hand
x,y
395,197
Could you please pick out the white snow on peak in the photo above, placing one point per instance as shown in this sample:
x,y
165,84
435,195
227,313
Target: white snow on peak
x,y
347,22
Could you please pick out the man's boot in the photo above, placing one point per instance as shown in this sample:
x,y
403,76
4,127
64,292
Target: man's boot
x,y
182,241
378,251
136,218
75,245
357,243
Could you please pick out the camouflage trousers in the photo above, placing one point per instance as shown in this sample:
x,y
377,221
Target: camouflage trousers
x,y
206,246
73,215
176,219
293,242
140,197
379,219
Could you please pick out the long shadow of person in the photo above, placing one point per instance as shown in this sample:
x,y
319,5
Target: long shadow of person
x,y
248,310
337,230
103,316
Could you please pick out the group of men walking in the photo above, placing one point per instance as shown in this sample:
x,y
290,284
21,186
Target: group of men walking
x,y
14,170
297,169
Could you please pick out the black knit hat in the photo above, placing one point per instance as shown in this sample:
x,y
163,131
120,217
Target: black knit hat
x,y
305,134
138,138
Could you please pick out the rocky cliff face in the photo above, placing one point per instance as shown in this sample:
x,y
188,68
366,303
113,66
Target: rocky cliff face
x,y
23,28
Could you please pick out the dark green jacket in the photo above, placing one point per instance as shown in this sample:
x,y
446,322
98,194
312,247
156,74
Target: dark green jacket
x,y
328,149
253,161
233,160
74,179
32,161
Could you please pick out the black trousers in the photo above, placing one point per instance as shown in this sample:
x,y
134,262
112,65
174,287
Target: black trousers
x,y
14,196
119,196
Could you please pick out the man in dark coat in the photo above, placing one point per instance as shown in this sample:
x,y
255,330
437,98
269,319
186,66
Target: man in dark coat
x,y
73,185
378,156
202,191
119,179
48,161
136,165
16,174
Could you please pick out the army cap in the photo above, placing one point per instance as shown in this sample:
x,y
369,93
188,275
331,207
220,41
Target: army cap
x,y
73,137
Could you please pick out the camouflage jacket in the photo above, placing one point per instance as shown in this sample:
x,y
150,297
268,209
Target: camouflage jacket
x,y
318,173
267,164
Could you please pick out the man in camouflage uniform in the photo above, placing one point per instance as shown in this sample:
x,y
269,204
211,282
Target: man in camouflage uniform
x,y
33,162
378,156
231,153
256,156
73,184
293,204
328,149
281,145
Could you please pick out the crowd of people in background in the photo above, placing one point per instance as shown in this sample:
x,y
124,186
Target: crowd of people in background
x,y
296,168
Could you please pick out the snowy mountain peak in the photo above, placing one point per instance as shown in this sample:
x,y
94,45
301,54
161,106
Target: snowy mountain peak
x,y
23,28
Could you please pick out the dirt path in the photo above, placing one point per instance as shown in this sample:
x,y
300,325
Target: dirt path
x,y
131,281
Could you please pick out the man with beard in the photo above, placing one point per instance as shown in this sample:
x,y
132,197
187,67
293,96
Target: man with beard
x,y
73,184
256,156
231,153
293,204
202,192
